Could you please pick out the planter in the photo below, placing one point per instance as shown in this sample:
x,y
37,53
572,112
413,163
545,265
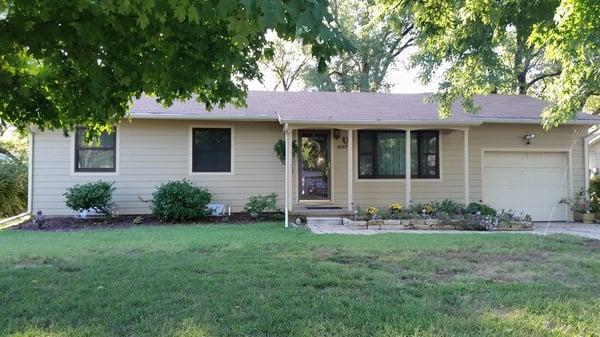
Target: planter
x,y
359,225
374,224
418,222
577,216
445,226
394,224
588,218
515,226
432,222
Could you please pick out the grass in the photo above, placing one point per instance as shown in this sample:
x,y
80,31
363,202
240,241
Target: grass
x,y
263,280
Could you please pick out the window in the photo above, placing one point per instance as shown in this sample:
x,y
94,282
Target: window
x,y
96,155
381,154
211,150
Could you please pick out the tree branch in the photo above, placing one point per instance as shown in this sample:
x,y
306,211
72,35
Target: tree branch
x,y
543,76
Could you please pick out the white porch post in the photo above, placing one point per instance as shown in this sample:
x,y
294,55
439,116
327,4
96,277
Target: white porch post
x,y
466,166
586,163
407,168
287,174
350,169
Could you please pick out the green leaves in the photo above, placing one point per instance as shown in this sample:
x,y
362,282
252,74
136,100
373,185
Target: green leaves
x,y
543,48
79,62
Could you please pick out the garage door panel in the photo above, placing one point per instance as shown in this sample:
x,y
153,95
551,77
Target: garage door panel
x,y
544,160
526,182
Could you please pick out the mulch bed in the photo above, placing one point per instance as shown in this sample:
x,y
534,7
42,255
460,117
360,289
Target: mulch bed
x,y
125,221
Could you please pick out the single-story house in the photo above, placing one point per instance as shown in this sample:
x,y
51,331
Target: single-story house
x,y
351,150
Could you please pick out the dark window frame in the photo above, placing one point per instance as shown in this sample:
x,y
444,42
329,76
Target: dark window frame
x,y
79,132
193,150
421,156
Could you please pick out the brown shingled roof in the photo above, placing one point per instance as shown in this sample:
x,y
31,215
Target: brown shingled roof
x,y
355,107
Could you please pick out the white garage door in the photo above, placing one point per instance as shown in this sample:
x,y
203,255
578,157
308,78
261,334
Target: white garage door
x,y
531,182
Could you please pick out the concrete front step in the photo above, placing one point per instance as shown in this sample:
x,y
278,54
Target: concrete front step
x,y
324,221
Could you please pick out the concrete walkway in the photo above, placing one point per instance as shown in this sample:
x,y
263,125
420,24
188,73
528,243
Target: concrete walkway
x,y
579,229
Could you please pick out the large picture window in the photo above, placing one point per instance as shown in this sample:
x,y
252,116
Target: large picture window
x,y
211,150
95,155
381,154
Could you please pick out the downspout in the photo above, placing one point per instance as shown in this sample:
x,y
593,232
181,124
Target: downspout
x,y
30,174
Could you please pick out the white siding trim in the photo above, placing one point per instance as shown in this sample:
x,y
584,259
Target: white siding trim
x,y
92,174
190,149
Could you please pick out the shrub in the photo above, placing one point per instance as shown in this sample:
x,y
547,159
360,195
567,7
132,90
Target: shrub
x,y
448,206
258,205
13,184
480,208
180,200
95,195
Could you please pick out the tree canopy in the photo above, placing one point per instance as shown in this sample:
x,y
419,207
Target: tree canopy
x,y
79,62
544,48
379,37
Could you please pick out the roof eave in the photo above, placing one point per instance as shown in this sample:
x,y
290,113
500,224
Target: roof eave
x,y
199,117
380,122
534,121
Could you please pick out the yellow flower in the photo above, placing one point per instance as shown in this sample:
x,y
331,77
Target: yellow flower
x,y
372,210
395,208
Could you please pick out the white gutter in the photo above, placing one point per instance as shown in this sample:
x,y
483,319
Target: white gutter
x,y
30,174
380,122
533,121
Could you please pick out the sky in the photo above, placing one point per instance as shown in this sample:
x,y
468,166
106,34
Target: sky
x,y
403,80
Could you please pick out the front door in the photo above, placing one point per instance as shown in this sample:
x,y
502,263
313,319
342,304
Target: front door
x,y
314,165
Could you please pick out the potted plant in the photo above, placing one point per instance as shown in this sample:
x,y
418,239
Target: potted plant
x,y
581,207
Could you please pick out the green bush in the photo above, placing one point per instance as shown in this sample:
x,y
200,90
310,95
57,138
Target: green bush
x,y
258,205
448,206
480,208
13,184
95,195
594,193
180,200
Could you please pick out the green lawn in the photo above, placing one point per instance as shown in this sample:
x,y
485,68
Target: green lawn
x,y
263,280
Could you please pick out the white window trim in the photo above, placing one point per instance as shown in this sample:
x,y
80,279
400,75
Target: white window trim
x,y
92,174
418,180
191,154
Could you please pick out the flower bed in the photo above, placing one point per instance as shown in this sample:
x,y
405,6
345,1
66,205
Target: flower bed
x,y
439,215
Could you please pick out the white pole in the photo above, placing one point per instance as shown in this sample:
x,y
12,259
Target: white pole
x,y
466,166
286,133
586,163
350,169
407,169
30,175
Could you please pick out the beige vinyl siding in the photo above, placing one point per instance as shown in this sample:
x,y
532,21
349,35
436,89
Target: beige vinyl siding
x,y
154,151
151,152
451,183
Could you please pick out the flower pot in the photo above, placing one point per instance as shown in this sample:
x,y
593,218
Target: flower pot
x,y
577,216
588,218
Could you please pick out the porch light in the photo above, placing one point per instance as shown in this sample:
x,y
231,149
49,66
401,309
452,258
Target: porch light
x,y
529,138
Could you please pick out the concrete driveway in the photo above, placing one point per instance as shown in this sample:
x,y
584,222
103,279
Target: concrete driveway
x,y
579,229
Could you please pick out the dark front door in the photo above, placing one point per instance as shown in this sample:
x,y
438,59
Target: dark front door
x,y
314,165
